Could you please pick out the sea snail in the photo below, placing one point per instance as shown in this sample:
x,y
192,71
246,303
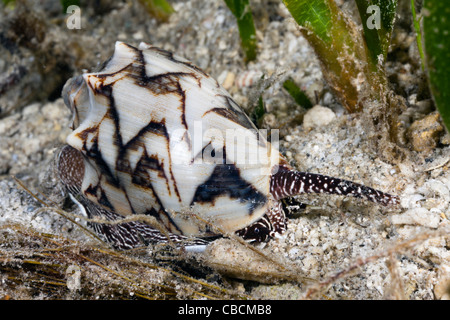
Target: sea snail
x,y
151,137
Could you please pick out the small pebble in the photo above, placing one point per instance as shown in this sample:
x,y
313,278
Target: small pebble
x,y
318,116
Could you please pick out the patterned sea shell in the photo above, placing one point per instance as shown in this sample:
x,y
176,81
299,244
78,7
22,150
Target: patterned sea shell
x,y
248,78
154,135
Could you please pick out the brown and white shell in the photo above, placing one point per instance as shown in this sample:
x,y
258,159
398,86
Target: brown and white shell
x,y
135,124
155,135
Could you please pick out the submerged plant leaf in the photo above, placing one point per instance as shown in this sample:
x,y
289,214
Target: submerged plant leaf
x,y
436,28
314,15
160,9
416,22
299,96
67,3
241,10
350,64
377,17
338,44
258,112
7,2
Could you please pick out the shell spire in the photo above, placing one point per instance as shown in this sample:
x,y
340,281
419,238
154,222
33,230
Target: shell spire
x,y
287,183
